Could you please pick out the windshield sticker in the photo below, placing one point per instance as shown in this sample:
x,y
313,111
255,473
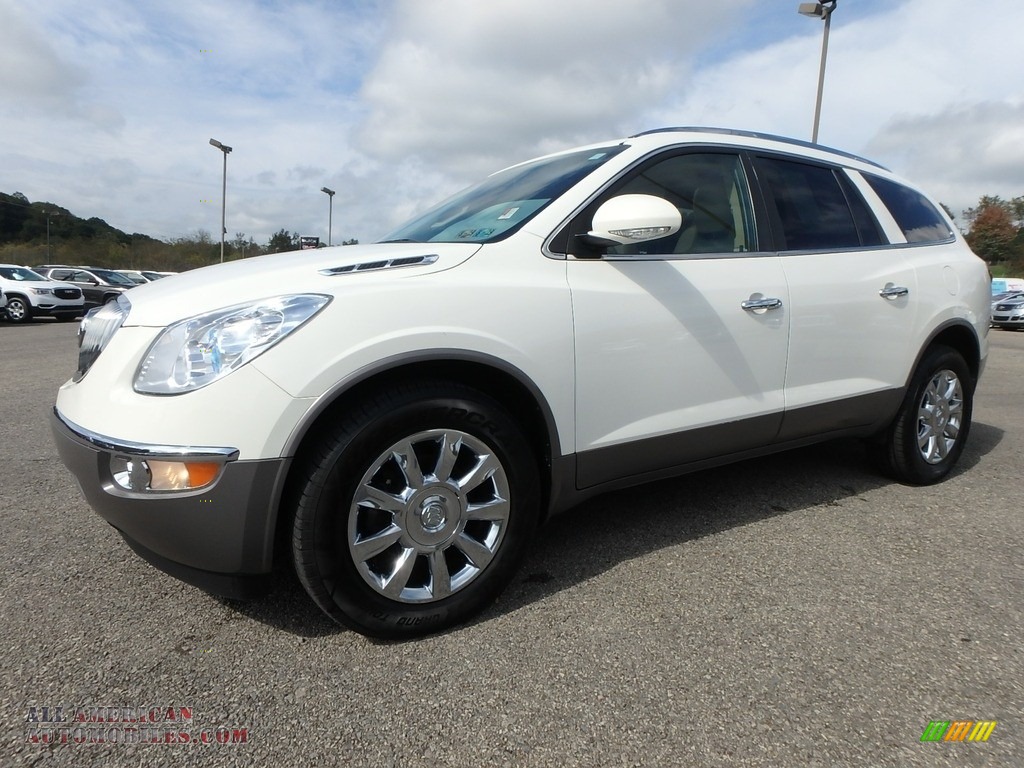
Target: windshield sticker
x,y
468,234
508,214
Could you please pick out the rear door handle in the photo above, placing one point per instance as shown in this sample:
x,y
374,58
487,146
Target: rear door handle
x,y
891,291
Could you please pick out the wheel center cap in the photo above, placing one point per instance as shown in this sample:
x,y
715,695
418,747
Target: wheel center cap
x,y
433,514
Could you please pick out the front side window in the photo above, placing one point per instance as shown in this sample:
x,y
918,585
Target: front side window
x,y
916,216
812,206
711,192
503,202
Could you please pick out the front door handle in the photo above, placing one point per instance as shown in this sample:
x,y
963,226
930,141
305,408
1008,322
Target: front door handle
x,y
891,291
760,305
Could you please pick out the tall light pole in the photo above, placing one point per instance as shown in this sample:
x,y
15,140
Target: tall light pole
x,y
330,210
822,10
48,215
223,194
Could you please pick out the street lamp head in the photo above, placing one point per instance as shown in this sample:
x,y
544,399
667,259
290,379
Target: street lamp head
x,y
328,191
817,10
222,147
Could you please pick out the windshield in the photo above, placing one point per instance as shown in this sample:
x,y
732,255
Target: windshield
x,y
22,274
503,202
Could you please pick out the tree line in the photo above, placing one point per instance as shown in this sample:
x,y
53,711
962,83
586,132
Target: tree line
x,y
34,233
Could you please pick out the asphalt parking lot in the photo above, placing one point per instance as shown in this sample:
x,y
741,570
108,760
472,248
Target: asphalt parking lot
x,y
797,610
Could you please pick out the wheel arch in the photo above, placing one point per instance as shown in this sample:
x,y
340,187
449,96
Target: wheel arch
x,y
495,378
958,335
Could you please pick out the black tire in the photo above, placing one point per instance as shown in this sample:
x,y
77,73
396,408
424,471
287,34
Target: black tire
x,y
389,452
18,309
925,440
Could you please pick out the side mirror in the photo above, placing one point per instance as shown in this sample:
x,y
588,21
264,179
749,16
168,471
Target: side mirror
x,y
628,219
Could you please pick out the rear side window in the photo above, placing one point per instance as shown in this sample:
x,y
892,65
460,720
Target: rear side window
x,y
916,216
816,210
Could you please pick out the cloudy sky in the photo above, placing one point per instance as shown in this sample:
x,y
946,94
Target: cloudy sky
x,y
107,108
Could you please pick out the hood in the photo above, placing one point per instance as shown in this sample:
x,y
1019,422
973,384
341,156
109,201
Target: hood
x,y
329,271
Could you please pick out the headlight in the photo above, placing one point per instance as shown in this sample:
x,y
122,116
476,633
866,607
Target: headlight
x,y
195,352
96,330
42,291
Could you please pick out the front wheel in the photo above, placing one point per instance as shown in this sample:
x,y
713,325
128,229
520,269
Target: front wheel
x,y
414,514
18,309
925,440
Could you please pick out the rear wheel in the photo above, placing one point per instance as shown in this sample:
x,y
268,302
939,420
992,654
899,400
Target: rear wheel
x,y
415,511
925,440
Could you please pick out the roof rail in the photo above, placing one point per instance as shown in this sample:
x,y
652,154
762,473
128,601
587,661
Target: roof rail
x,y
757,135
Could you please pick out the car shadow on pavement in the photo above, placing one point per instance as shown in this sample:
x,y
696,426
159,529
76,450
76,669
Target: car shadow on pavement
x,y
622,525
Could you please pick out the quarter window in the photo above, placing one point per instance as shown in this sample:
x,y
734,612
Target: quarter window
x,y
916,216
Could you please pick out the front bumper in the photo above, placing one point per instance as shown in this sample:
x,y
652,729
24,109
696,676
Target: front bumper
x,y
1014,319
219,537
57,309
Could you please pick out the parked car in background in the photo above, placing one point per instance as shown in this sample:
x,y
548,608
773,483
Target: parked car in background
x,y
97,285
140,276
396,419
135,276
30,294
1008,312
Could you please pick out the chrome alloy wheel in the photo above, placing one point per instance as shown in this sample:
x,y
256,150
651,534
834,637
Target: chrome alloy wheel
x,y
940,416
428,516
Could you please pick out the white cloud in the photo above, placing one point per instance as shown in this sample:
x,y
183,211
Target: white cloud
x,y
486,84
33,75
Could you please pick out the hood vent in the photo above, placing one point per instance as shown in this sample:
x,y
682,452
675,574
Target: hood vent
x,y
370,266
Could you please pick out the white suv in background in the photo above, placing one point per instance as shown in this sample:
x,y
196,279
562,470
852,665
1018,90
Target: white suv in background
x,y
29,295
398,418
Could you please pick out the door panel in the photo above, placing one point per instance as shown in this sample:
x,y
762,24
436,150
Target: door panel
x,y
664,346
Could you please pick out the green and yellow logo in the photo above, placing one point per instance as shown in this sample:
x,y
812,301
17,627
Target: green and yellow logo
x,y
958,730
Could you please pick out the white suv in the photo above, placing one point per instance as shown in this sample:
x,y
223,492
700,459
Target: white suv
x,y
29,295
399,417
